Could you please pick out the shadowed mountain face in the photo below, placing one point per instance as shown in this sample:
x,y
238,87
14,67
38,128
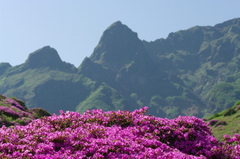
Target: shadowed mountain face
x,y
117,47
4,67
48,57
121,62
45,57
191,72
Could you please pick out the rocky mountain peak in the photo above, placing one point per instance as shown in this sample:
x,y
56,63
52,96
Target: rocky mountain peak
x,y
44,57
118,28
117,46
3,67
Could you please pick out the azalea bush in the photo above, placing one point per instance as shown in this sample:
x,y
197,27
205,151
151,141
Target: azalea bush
x,y
114,134
14,112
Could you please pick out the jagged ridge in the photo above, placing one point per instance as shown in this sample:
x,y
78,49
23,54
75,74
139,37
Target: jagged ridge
x,y
191,72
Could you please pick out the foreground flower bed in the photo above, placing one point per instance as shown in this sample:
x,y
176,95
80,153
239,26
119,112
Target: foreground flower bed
x,y
121,134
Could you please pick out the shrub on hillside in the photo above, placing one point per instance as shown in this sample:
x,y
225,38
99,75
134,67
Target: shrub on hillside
x,y
14,112
229,112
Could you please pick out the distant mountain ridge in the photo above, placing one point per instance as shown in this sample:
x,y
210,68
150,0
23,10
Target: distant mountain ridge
x,y
191,72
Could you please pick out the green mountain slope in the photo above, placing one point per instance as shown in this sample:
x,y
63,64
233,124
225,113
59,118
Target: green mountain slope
x,y
226,122
44,82
191,72
203,57
121,61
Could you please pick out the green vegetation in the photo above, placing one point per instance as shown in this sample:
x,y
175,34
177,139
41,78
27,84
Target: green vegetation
x,y
226,122
105,98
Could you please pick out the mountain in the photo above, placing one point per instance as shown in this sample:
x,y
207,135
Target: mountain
x,y
44,80
127,67
191,72
206,59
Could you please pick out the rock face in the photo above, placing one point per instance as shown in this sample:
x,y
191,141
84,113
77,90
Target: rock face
x,y
117,47
14,112
191,72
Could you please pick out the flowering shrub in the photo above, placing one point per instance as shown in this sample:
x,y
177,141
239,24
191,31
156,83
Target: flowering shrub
x,y
14,112
114,134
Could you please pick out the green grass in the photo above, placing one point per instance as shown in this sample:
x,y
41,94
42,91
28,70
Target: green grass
x,y
232,120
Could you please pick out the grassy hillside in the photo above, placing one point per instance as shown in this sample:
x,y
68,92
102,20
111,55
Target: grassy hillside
x,y
226,122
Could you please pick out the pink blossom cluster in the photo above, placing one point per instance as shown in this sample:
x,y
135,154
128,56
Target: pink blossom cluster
x,y
12,102
14,112
114,134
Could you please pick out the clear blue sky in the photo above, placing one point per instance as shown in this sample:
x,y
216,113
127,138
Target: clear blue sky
x,y
74,27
